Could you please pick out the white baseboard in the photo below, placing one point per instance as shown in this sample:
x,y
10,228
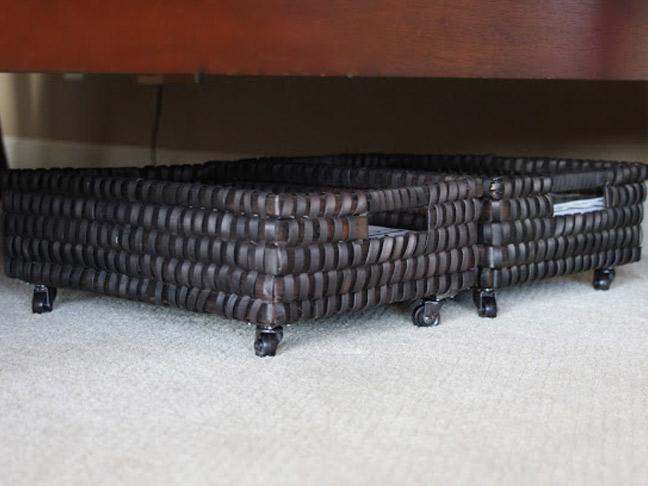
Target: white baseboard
x,y
40,153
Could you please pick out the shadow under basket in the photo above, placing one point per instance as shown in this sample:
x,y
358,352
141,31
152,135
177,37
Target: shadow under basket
x,y
266,242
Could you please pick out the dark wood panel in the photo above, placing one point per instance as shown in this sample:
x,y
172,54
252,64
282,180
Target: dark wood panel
x,y
589,39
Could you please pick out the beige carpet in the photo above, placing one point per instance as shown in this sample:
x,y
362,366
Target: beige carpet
x,y
554,391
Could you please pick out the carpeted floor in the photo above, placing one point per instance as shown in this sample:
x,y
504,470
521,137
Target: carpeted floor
x,y
554,391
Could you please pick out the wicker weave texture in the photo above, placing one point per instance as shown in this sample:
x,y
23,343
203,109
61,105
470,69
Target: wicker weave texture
x,y
219,238
522,237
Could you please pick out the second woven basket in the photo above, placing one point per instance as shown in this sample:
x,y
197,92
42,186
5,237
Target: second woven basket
x,y
541,217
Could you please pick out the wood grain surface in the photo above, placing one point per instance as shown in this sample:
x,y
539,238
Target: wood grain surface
x,y
586,39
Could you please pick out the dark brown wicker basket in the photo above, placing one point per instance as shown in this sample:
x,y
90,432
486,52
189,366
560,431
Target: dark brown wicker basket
x,y
268,243
524,235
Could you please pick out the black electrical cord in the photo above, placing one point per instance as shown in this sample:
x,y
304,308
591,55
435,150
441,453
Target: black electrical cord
x,y
3,155
156,123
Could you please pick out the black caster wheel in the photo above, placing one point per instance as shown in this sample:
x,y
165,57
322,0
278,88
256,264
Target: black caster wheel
x,y
420,319
43,299
267,340
603,278
485,302
427,313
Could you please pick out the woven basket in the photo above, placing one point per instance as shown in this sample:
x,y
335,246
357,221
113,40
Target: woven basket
x,y
524,232
268,243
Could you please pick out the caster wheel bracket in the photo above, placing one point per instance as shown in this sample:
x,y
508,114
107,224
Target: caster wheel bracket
x,y
267,340
43,299
603,278
485,302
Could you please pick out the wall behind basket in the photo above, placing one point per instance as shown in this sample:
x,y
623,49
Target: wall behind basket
x,y
107,119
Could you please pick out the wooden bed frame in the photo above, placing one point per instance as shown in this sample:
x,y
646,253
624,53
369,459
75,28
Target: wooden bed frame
x,y
575,39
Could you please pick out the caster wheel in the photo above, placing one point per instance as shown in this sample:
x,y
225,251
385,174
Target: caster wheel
x,y
43,299
427,312
603,278
488,308
422,319
267,340
602,284
486,303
